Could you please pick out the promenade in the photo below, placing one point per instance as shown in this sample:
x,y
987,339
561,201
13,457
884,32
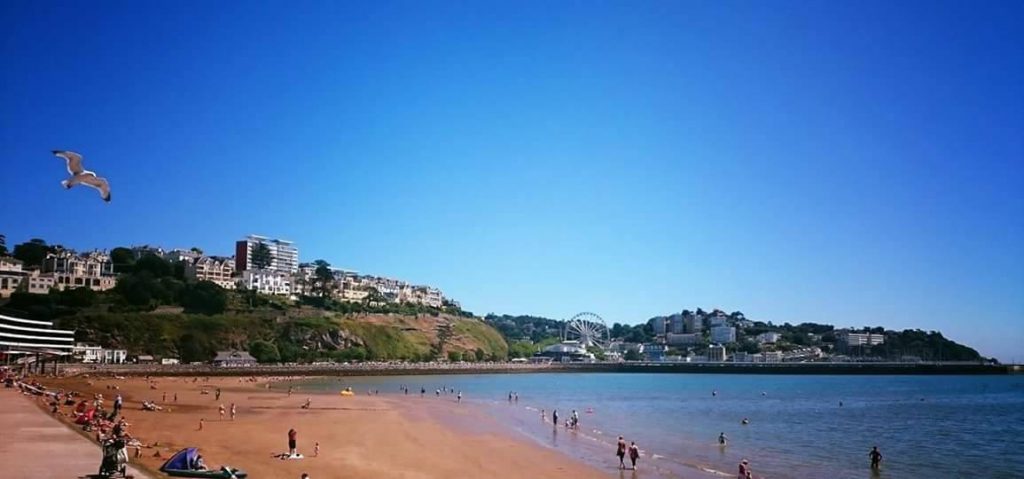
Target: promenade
x,y
38,446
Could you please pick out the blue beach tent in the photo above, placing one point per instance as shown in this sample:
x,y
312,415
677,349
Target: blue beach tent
x,y
182,464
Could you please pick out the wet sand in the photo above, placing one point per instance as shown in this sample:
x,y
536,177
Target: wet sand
x,y
360,436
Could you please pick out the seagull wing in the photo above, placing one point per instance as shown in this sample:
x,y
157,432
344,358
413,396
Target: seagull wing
x,y
74,161
100,184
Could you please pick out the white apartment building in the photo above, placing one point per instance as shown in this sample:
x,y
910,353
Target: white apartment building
x,y
723,334
684,339
70,270
770,337
284,256
718,320
850,339
693,324
676,324
97,355
424,295
716,353
11,275
184,255
267,282
216,270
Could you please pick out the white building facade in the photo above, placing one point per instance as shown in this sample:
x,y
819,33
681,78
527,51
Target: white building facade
x,y
284,256
723,334
220,271
267,282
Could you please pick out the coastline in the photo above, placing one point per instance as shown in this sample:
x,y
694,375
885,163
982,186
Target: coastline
x,y
423,369
359,436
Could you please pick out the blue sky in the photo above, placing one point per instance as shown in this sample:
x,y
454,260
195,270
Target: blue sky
x,y
857,163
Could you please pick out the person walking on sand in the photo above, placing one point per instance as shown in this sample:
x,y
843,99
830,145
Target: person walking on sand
x,y
620,450
201,421
164,400
316,449
232,411
216,395
634,453
876,457
292,437
221,412
458,398
175,397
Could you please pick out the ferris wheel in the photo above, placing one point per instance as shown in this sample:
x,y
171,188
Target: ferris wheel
x,y
587,328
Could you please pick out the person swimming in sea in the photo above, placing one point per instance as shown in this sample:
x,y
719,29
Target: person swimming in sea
x,y
722,439
745,421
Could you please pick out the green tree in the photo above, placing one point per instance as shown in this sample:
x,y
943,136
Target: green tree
x,y
444,333
632,355
123,259
194,347
154,265
264,351
204,297
455,356
32,253
196,250
77,297
480,355
261,256
323,279
3,245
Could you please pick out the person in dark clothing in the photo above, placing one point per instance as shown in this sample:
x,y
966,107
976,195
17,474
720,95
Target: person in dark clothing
x,y
620,451
876,457
292,437
634,454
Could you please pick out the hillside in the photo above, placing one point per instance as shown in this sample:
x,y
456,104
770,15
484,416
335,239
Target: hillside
x,y
299,338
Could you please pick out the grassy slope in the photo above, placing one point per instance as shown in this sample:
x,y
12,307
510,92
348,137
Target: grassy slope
x,y
387,336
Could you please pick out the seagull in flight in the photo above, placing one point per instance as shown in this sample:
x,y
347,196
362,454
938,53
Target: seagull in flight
x,y
82,176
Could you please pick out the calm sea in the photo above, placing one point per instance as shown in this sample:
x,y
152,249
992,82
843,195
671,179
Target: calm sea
x,y
925,426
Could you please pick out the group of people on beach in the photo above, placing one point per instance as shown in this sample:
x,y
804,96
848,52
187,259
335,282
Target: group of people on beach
x,y
633,451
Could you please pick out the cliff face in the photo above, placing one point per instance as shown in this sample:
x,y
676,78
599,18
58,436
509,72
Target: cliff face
x,y
298,337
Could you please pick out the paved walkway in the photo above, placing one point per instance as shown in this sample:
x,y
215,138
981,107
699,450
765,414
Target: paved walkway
x,y
37,446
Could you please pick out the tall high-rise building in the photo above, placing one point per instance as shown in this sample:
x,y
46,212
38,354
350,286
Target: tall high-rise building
x,y
284,256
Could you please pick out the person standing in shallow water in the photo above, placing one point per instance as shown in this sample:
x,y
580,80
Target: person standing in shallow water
x,y
876,457
634,454
620,450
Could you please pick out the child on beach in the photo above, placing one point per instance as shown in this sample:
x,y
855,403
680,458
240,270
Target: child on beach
x,y
316,449
221,412
232,411
634,453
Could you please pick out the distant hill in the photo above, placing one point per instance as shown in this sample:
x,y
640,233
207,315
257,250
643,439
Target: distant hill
x,y
525,333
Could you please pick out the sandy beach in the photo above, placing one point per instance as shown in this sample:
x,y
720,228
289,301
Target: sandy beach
x,y
360,436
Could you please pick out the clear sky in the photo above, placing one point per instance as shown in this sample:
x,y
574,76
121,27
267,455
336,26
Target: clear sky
x,y
849,162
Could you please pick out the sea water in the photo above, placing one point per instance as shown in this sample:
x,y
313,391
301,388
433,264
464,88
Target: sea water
x,y
800,426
